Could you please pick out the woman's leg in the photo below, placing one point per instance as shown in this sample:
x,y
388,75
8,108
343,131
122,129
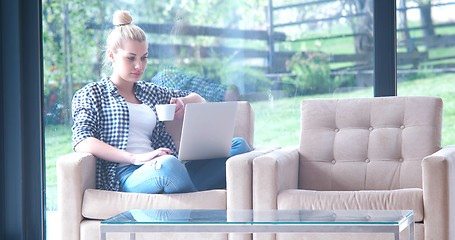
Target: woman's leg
x,y
239,146
211,174
165,174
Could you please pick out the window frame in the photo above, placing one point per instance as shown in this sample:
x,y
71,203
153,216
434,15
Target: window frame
x,y
385,48
22,161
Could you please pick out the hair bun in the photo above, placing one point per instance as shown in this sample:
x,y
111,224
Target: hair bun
x,y
122,17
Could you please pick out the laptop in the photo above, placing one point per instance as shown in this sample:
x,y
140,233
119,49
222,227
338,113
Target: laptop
x,y
207,131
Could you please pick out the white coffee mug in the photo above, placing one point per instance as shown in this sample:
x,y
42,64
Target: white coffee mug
x,y
165,112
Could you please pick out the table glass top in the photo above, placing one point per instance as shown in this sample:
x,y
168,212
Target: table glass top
x,y
174,216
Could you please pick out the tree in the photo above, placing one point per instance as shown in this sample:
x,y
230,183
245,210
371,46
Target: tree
x,y
403,24
426,20
362,27
69,52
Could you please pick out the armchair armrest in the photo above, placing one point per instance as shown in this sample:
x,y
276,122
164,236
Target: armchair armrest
x,y
272,173
438,172
239,170
76,172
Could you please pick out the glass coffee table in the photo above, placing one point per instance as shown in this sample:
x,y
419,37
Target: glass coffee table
x,y
260,221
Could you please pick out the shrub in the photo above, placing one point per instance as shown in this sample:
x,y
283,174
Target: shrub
x,y
311,72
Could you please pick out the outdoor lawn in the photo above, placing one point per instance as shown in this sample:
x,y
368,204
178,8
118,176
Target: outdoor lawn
x,y
277,122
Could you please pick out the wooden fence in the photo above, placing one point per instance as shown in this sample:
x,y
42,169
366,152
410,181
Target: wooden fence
x,y
407,61
276,60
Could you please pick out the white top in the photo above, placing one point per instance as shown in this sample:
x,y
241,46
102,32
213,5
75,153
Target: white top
x,y
142,123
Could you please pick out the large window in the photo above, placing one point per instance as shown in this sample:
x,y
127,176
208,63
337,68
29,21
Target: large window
x,y
73,36
270,53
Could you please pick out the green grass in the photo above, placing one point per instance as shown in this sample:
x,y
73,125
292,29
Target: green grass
x,y
277,122
439,86
57,143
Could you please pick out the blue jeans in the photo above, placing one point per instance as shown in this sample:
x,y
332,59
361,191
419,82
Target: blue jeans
x,y
166,174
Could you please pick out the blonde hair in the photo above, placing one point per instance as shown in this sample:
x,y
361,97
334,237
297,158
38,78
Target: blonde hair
x,y
124,29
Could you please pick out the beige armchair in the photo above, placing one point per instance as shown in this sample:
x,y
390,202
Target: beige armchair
x,y
365,153
81,207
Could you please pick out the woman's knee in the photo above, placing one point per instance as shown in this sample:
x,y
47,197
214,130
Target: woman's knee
x,y
168,159
238,141
239,146
170,164
165,174
176,175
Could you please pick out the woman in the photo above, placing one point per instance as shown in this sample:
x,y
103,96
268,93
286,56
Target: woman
x,y
115,120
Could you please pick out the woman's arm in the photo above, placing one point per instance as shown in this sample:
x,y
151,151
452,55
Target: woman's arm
x,y
107,152
193,98
181,102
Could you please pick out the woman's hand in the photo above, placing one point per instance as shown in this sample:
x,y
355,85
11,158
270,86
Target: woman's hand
x,y
179,107
181,102
138,159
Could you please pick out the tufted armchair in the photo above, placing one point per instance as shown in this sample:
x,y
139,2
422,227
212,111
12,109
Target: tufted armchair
x,y
364,153
81,207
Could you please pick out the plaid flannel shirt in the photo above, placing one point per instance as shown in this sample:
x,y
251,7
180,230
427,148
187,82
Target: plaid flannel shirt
x,y
99,111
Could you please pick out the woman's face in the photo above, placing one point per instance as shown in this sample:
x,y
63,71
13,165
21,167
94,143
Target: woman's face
x,y
130,61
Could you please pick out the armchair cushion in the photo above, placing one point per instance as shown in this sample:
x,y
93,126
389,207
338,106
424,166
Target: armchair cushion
x,y
409,199
99,204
